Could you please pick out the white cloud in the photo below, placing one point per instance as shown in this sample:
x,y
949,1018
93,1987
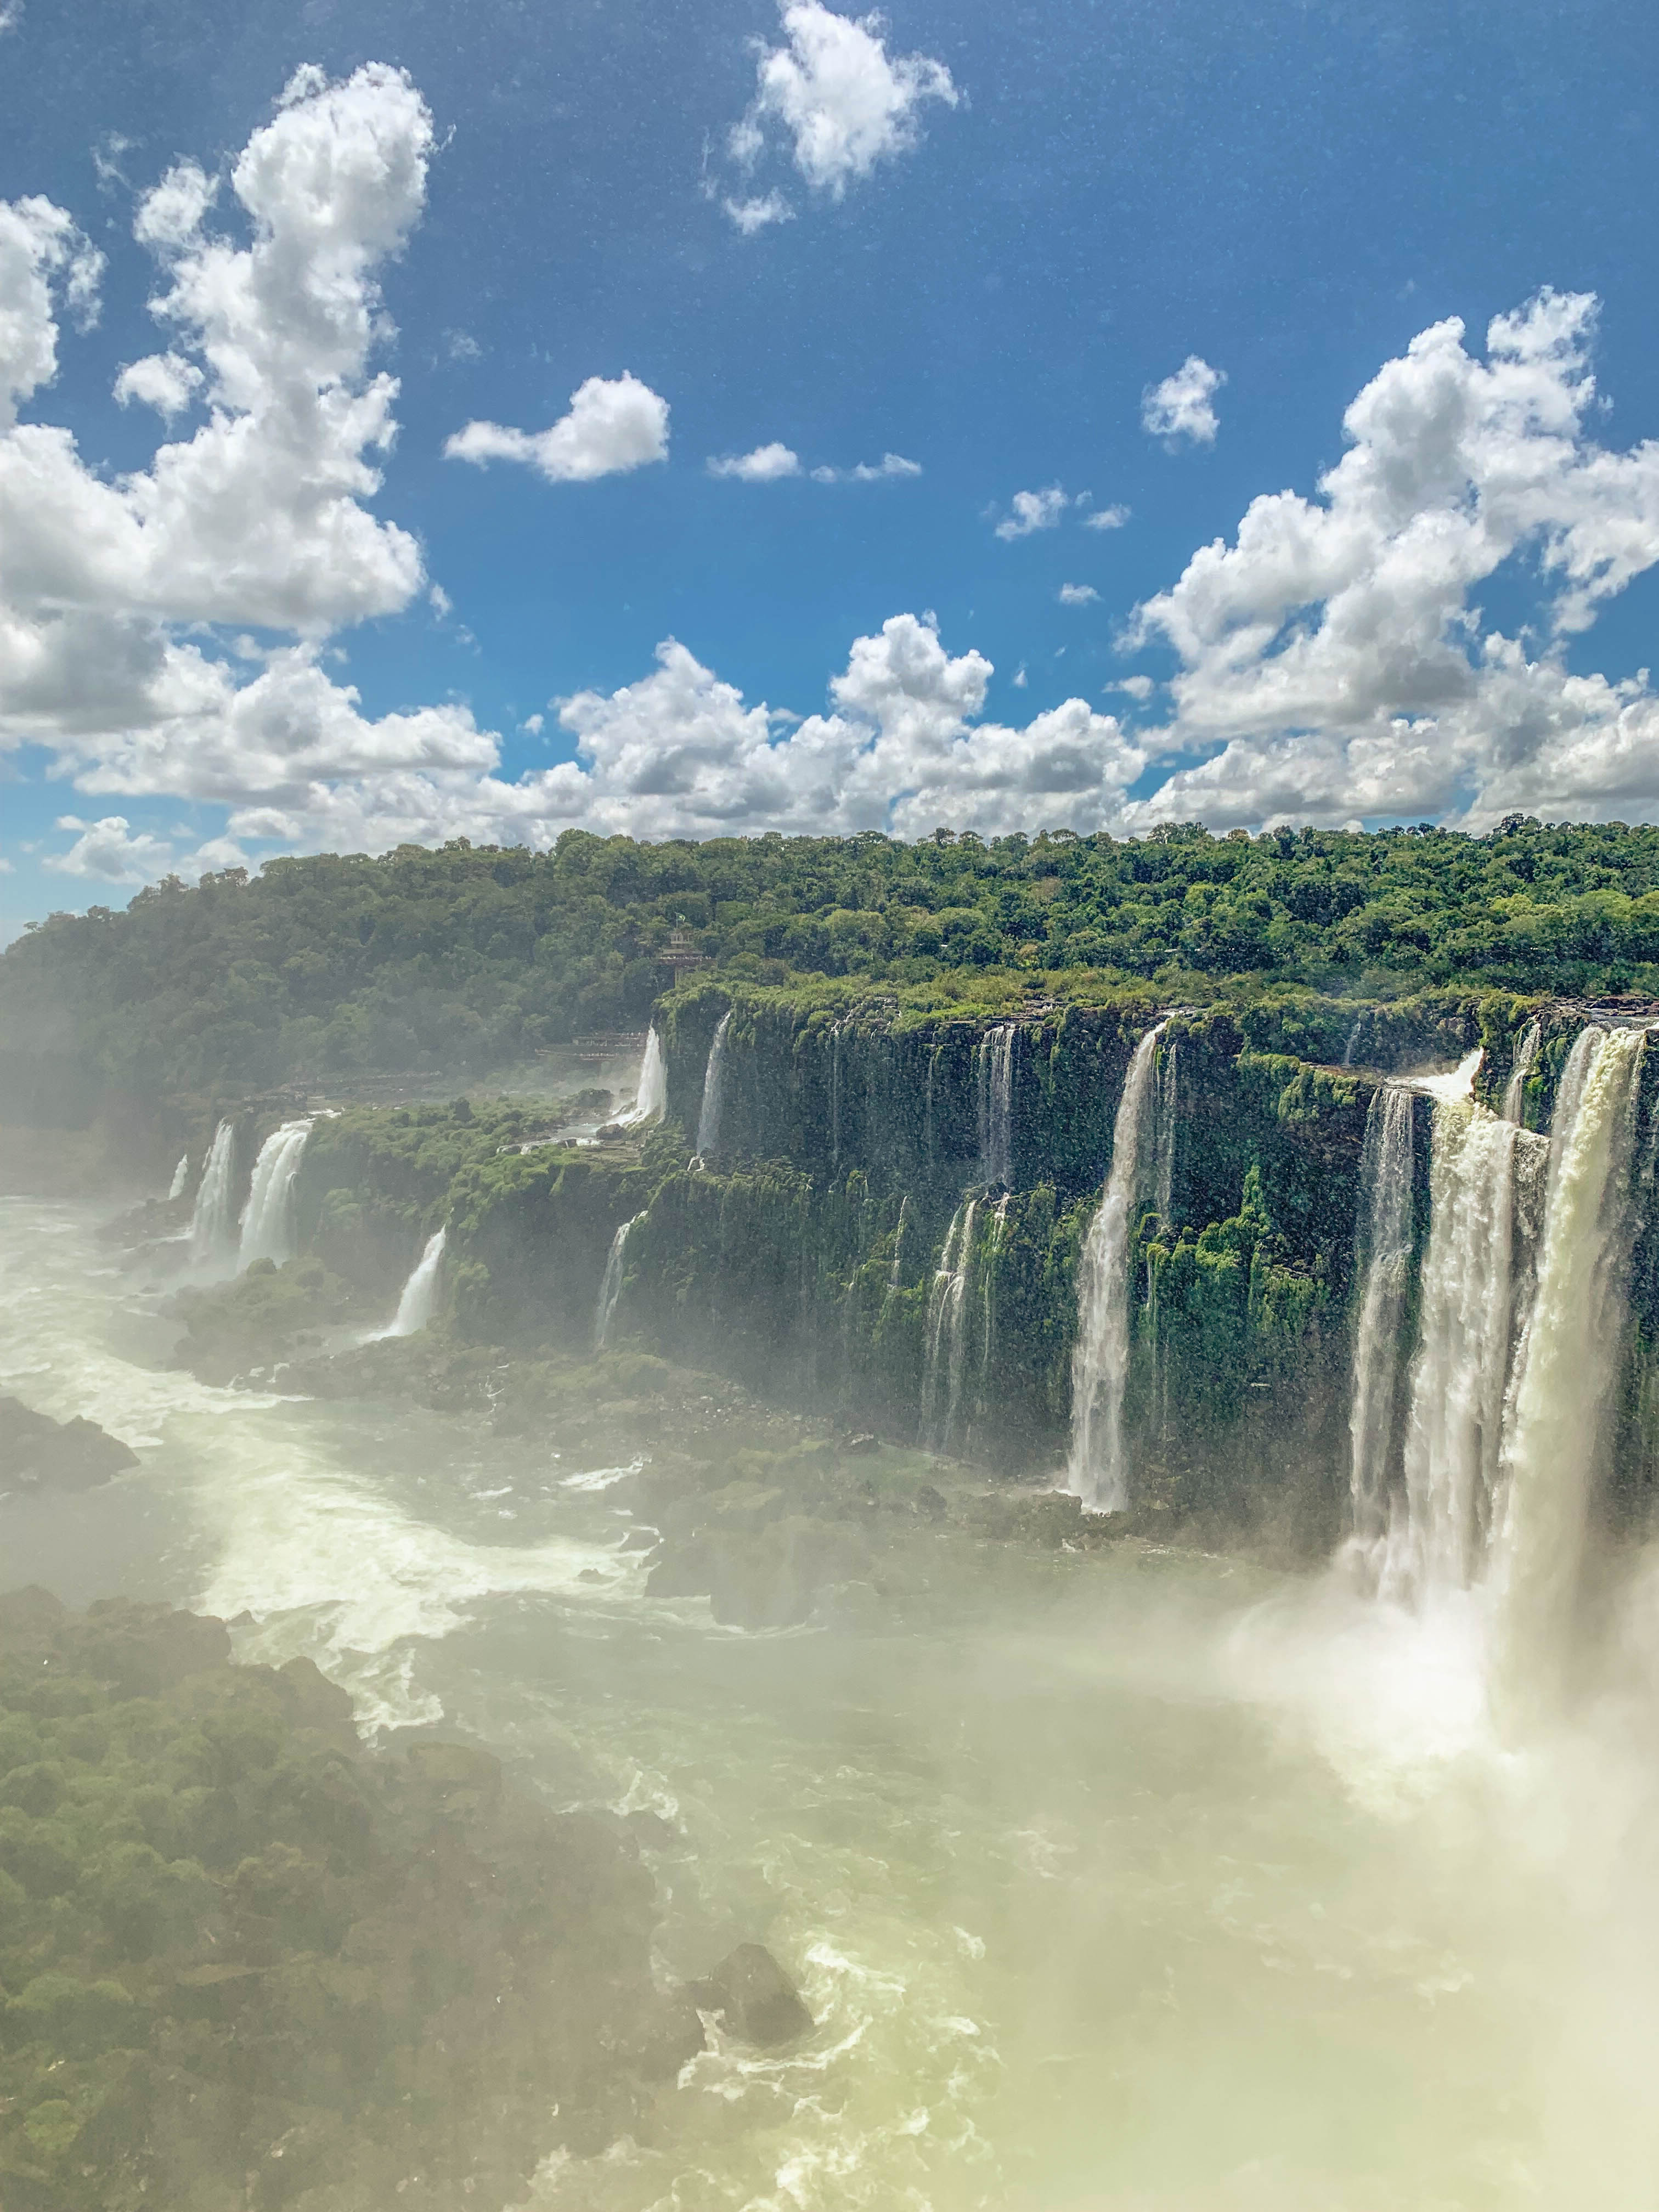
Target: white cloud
x,y
40,248
889,466
1137,687
11,14
1180,406
1078,595
764,465
1106,518
1033,510
440,602
1020,677
109,852
839,98
1334,652
756,213
165,381
615,424
533,725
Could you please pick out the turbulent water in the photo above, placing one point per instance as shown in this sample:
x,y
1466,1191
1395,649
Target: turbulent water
x,y
268,1225
1100,1365
1384,1258
1135,1881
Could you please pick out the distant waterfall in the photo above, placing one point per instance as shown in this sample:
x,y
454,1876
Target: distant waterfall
x,y
267,1228
1165,1120
180,1177
1455,1431
898,1242
994,1073
1100,1363
419,1301
713,1086
1552,1451
651,1093
610,1286
1514,1091
1348,1049
1384,1255
212,1224
835,1095
947,1320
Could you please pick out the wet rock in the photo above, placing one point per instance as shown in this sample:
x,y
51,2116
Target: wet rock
x,y
38,1453
769,1577
754,1998
653,1833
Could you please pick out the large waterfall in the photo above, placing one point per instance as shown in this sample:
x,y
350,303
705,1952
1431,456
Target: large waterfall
x,y
947,1331
994,1085
268,1225
212,1224
1553,1449
1384,1259
611,1285
713,1086
419,1301
1100,1363
651,1093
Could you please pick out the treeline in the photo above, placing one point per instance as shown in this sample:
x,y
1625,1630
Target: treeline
x,y
470,958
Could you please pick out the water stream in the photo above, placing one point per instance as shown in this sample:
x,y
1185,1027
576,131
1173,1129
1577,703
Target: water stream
x,y
714,1088
419,1300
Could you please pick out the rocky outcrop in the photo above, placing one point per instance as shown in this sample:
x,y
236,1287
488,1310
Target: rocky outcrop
x,y
753,1998
37,1453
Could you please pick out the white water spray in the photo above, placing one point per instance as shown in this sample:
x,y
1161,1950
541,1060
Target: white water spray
x,y
947,1303
993,1070
1385,1234
713,1087
611,1285
180,1177
651,1093
268,1225
1096,1470
212,1224
1514,1091
420,1298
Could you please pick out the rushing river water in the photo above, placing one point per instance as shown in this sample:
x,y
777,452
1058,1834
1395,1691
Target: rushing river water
x,y
1137,1880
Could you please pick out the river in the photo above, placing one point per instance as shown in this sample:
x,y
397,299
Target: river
x,y
1136,1880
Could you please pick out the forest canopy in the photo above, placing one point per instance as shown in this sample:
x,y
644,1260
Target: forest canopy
x,y
477,958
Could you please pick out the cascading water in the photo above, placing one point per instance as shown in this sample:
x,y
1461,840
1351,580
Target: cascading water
x,y
180,1177
1384,1259
268,1226
1165,1120
1095,1471
651,1092
898,1242
835,1095
947,1303
1552,1447
611,1285
212,1224
420,1298
994,1073
713,1086
1514,1091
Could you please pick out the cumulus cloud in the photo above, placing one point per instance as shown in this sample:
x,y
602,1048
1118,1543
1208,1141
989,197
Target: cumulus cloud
x,y
1078,595
1033,510
889,466
1182,406
110,852
1333,653
840,101
1106,518
615,424
764,465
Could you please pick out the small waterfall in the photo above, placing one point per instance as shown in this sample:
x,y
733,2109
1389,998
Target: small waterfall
x,y
713,1086
1165,1125
947,1305
1100,1363
835,1095
1454,1430
993,1252
180,1177
268,1217
1514,1091
212,1224
1552,1452
1349,1049
993,1070
651,1093
898,1242
1383,1261
419,1301
610,1286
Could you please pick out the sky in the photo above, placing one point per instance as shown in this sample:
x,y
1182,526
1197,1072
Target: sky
x,y
692,418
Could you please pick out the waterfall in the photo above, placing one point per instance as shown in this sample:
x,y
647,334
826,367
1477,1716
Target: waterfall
x,y
1353,1040
651,1093
416,1305
993,1070
928,1111
993,1252
1552,1450
1165,1130
610,1286
180,1177
835,1095
1100,1363
898,1242
1454,1429
268,1217
1514,1091
713,1086
1383,1261
212,1225
947,1303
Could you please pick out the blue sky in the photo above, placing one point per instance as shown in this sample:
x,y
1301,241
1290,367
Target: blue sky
x,y
1005,229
